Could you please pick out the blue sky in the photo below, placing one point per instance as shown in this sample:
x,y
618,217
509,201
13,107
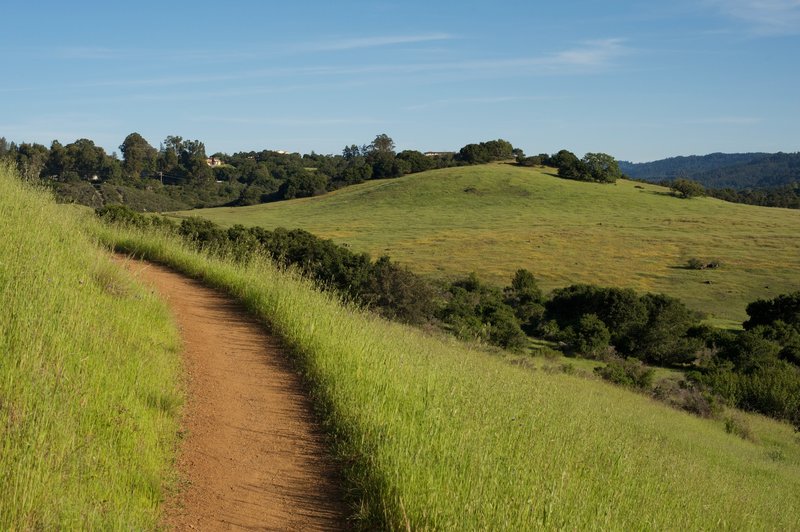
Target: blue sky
x,y
638,80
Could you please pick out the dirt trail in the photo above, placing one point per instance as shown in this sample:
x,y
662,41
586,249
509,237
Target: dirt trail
x,y
252,455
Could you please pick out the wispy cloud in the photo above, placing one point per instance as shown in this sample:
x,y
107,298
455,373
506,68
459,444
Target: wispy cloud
x,y
764,17
591,54
283,121
478,100
724,121
370,42
89,53
586,58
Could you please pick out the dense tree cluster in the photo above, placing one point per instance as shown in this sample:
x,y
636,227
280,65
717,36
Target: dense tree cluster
x,y
759,368
596,167
178,174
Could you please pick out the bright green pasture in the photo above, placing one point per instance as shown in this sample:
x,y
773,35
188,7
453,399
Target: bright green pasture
x,y
494,219
88,377
434,434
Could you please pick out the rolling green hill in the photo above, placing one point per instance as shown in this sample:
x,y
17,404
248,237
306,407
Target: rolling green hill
x,y
494,219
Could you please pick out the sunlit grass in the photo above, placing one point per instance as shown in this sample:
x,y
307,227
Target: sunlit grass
x,y
494,219
88,377
437,435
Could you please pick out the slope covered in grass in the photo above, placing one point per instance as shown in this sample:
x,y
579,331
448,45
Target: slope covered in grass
x,y
435,435
494,219
88,373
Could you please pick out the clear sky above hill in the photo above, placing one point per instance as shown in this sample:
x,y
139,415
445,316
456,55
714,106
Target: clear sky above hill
x,y
639,80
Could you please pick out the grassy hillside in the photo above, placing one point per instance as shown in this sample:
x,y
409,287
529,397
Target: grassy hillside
x,y
496,218
435,435
88,373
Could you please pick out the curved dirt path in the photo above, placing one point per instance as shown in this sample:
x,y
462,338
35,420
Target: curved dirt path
x,y
252,456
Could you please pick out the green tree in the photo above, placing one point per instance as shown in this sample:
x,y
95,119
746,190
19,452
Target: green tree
x,y
590,336
138,155
417,161
31,160
602,167
686,188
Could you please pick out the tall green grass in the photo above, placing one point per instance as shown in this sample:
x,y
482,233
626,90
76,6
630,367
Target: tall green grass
x,y
433,434
88,377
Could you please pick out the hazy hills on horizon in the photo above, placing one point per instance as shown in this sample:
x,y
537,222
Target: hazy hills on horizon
x,y
722,170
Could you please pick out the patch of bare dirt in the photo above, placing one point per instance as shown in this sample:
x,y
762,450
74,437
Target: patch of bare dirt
x,y
252,455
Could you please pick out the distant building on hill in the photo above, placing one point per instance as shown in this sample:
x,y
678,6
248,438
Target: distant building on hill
x,y
213,161
438,153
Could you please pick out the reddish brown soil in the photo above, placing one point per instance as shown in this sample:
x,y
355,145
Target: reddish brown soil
x,y
252,455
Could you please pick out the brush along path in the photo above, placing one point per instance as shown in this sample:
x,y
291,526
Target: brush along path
x,y
252,455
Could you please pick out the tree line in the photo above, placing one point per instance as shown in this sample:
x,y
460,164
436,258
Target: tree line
x,y
178,175
756,369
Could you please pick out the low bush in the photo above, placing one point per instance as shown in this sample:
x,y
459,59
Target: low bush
x,y
628,372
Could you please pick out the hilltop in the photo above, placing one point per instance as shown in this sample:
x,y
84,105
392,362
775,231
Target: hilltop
x,y
493,219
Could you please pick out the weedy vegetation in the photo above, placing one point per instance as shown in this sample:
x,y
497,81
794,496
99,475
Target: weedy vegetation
x,y
89,387
432,433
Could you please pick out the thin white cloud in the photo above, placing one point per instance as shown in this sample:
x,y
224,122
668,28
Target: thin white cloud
x,y
724,121
592,54
370,42
333,45
282,121
589,57
478,100
764,17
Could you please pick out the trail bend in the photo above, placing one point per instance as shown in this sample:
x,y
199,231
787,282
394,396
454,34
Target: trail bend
x,y
252,455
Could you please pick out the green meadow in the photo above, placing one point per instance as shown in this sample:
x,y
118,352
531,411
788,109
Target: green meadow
x,y
89,376
494,219
436,434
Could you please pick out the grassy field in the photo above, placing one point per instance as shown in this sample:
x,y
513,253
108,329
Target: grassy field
x,y
88,377
496,218
435,435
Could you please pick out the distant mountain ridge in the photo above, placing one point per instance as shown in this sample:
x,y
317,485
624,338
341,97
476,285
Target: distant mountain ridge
x,y
721,170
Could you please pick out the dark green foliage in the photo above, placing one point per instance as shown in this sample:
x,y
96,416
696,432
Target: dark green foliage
x,y
602,168
785,308
138,156
124,215
718,170
654,328
686,188
773,389
665,338
417,161
785,196
493,150
302,185
400,294
596,167
589,336
628,372
525,297
477,311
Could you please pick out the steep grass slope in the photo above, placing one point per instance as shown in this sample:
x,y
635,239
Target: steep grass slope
x,y
496,218
88,374
434,435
